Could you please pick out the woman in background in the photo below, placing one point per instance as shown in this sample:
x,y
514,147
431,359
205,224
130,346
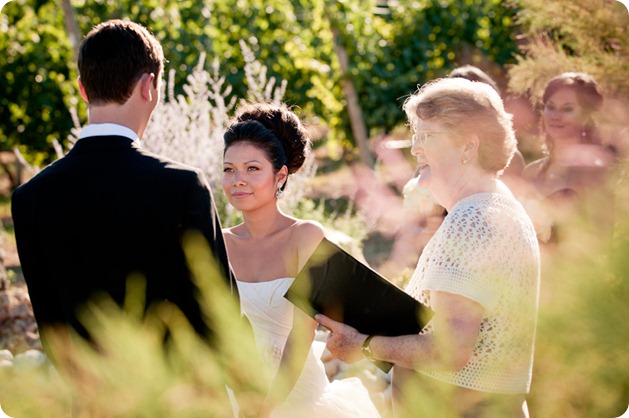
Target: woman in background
x,y
576,157
577,162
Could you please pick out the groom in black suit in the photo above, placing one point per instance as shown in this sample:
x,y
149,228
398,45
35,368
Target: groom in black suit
x,y
109,210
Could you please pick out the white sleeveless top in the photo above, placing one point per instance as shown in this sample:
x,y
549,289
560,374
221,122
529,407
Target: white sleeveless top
x,y
271,316
486,250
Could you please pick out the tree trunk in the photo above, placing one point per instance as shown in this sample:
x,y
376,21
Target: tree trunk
x,y
359,130
72,27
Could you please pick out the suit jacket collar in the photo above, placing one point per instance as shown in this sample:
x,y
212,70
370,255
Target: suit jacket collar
x,y
102,143
108,129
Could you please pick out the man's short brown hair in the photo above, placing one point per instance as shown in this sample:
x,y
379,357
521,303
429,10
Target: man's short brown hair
x,y
114,56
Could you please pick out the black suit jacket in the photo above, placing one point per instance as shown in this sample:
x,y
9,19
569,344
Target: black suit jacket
x,y
106,210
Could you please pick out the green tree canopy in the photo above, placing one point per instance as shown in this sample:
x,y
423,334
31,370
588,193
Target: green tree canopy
x,y
565,35
37,81
391,47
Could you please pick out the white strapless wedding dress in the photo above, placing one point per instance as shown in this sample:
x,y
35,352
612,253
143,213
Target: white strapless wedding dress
x,y
271,316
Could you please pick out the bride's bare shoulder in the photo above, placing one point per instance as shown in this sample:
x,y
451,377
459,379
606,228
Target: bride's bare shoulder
x,y
307,231
306,237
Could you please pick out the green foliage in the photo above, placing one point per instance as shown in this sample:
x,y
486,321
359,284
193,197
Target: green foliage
x,y
581,359
181,26
391,50
565,35
38,79
41,70
425,40
134,374
293,40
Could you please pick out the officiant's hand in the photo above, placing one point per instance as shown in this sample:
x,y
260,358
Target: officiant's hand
x,y
344,342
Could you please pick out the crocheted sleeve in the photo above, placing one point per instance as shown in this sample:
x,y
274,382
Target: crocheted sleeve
x,y
473,254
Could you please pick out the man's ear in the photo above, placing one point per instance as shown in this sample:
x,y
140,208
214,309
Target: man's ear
x,y
146,86
82,90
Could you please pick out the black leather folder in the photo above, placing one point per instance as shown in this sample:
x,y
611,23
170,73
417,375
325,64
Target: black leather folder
x,y
336,284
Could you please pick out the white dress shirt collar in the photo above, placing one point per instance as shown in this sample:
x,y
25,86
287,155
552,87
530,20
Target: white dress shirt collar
x,y
108,129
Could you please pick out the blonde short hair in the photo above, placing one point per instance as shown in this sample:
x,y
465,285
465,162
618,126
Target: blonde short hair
x,y
464,108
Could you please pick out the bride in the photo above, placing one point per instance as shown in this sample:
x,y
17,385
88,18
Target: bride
x,y
264,145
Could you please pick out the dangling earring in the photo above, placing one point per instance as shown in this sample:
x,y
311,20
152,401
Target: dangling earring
x,y
279,193
583,132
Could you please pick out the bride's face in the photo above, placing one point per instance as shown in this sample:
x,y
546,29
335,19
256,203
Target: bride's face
x,y
249,181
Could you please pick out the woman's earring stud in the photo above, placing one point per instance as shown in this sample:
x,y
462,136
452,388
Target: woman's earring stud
x,y
279,193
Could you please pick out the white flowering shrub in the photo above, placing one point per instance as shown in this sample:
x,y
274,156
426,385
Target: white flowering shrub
x,y
189,128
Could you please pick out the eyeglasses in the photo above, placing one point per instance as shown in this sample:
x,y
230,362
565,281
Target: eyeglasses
x,y
422,137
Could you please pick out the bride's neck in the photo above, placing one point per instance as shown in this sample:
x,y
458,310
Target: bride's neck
x,y
261,224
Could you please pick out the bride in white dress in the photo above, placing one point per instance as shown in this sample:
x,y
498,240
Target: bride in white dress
x,y
263,147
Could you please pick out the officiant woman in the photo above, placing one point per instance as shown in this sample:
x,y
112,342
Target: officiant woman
x,y
479,273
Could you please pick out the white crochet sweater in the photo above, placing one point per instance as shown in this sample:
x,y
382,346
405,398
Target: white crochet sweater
x,y
486,250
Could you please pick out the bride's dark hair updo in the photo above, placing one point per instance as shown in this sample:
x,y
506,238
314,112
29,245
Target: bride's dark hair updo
x,y
274,129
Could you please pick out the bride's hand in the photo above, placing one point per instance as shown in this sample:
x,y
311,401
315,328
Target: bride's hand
x,y
344,342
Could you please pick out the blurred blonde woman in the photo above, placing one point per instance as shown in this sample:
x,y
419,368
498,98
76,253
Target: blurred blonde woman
x,y
479,273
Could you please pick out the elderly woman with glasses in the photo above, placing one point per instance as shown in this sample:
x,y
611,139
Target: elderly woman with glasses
x,y
479,273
